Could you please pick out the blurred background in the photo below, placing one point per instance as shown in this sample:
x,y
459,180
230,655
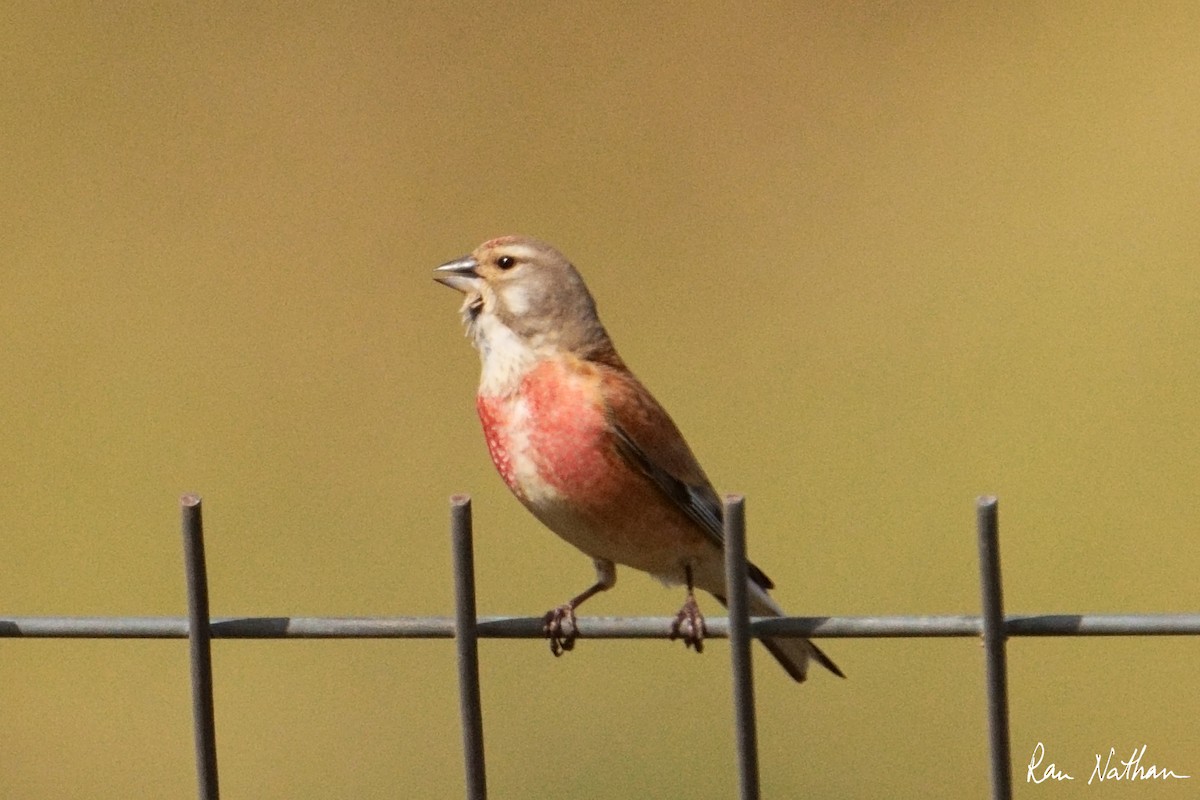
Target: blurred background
x,y
876,258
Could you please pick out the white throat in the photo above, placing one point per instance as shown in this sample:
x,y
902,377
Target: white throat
x,y
505,356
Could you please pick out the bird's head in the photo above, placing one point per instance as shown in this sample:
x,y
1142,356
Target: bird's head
x,y
522,293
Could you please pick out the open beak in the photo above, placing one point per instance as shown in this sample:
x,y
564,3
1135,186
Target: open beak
x,y
458,274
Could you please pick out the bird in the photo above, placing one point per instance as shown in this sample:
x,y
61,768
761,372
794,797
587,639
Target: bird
x,y
586,448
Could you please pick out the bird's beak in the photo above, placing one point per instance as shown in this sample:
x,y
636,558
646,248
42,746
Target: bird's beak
x,y
458,274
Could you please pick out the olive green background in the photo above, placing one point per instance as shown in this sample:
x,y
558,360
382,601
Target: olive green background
x,y
876,258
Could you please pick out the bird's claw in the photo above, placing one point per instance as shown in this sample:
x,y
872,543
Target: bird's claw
x,y
559,627
689,625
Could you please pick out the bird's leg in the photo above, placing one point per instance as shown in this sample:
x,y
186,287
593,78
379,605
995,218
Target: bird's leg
x,y
559,623
689,622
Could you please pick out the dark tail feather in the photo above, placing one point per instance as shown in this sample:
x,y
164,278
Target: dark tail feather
x,y
824,660
792,654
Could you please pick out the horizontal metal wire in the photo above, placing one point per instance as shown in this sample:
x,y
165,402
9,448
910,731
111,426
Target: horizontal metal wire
x,y
597,627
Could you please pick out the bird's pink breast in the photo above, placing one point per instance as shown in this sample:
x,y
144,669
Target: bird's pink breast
x,y
553,444
551,436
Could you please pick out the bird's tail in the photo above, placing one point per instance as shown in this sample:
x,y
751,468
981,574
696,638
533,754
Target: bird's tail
x,y
792,654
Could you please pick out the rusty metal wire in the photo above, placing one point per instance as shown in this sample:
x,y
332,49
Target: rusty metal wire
x,y
952,626
466,627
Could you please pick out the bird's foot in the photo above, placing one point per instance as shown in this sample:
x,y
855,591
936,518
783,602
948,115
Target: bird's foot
x,y
559,626
689,625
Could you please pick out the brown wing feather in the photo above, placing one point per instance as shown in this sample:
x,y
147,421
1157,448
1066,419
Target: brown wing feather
x,y
649,440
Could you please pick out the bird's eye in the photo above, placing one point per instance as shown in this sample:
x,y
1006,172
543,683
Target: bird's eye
x,y
506,262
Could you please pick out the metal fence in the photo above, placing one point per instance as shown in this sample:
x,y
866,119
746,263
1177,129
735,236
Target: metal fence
x,y
466,628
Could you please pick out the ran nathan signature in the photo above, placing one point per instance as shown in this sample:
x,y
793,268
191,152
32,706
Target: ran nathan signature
x,y
1130,769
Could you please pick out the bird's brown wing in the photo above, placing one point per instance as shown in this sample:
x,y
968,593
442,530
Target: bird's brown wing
x,y
647,438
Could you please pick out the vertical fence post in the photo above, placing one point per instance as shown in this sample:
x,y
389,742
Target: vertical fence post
x,y
994,641
200,650
466,640
736,577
